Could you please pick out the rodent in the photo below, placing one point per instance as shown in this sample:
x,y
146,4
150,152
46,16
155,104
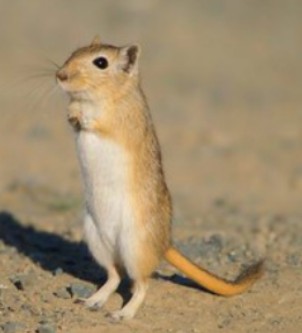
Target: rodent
x,y
128,216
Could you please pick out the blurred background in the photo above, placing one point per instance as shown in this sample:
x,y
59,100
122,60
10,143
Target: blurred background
x,y
223,80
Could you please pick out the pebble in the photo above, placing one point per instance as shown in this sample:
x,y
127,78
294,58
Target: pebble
x,y
294,259
30,310
22,281
233,256
12,327
62,293
45,298
81,290
46,328
58,271
3,248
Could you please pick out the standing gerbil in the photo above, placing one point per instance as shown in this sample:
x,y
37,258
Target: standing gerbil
x,y
128,206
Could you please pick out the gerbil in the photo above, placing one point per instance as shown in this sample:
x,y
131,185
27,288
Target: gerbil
x,y
128,206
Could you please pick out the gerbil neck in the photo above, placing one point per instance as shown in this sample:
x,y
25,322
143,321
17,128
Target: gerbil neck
x,y
130,92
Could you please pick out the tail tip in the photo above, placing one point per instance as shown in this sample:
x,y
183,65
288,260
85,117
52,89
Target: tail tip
x,y
253,272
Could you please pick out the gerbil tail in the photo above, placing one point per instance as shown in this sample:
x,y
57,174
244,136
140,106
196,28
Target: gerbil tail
x,y
210,281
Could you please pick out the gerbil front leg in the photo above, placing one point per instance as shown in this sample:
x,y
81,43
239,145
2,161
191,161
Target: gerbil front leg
x,y
78,119
74,115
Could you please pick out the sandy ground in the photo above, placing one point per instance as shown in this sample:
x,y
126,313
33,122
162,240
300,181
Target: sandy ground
x,y
224,83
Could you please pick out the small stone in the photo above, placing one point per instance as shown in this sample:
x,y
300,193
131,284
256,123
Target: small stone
x,y
30,310
232,256
46,328
21,281
215,243
12,327
58,271
293,259
81,290
45,298
62,293
3,247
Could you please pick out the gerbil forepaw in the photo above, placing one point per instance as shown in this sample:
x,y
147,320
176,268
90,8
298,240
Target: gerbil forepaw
x,y
75,122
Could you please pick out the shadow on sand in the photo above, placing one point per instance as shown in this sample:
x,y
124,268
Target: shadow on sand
x,y
49,250
52,251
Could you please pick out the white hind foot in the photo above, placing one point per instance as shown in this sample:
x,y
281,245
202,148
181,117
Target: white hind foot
x,y
130,309
101,296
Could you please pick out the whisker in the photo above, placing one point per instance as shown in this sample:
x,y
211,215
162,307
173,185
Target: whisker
x,y
51,92
35,68
50,61
31,86
35,96
39,75
20,83
48,94
26,99
54,63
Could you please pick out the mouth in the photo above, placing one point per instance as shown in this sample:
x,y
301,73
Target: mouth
x,y
68,85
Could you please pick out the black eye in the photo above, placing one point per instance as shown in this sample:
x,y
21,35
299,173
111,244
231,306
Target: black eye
x,y
101,62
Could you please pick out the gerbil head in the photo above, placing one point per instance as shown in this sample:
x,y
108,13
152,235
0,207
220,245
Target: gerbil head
x,y
99,69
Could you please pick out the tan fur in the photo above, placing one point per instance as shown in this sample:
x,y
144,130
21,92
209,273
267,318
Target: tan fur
x,y
110,104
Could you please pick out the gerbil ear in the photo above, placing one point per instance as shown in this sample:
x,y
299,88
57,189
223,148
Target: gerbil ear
x,y
96,41
129,58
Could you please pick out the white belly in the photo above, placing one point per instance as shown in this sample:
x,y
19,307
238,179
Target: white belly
x,y
104,167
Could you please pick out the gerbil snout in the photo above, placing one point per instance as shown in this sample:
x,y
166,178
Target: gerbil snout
x,y
61,75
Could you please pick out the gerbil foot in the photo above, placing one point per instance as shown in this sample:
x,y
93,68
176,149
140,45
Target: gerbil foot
x,y
93,307
119,315
130,309
94,302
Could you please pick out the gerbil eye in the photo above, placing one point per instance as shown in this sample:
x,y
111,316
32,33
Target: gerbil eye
x,y
101,62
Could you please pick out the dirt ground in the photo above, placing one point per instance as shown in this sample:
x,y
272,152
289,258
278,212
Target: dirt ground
x,y
224,80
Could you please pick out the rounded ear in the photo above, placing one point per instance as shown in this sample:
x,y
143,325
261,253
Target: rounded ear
x,y
96,41
129,58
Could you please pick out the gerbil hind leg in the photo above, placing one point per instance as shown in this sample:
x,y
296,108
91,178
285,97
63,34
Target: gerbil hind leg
x,y
104,258
129,310
101,296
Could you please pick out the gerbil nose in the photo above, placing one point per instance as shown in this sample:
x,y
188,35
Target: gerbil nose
x,y
61,75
